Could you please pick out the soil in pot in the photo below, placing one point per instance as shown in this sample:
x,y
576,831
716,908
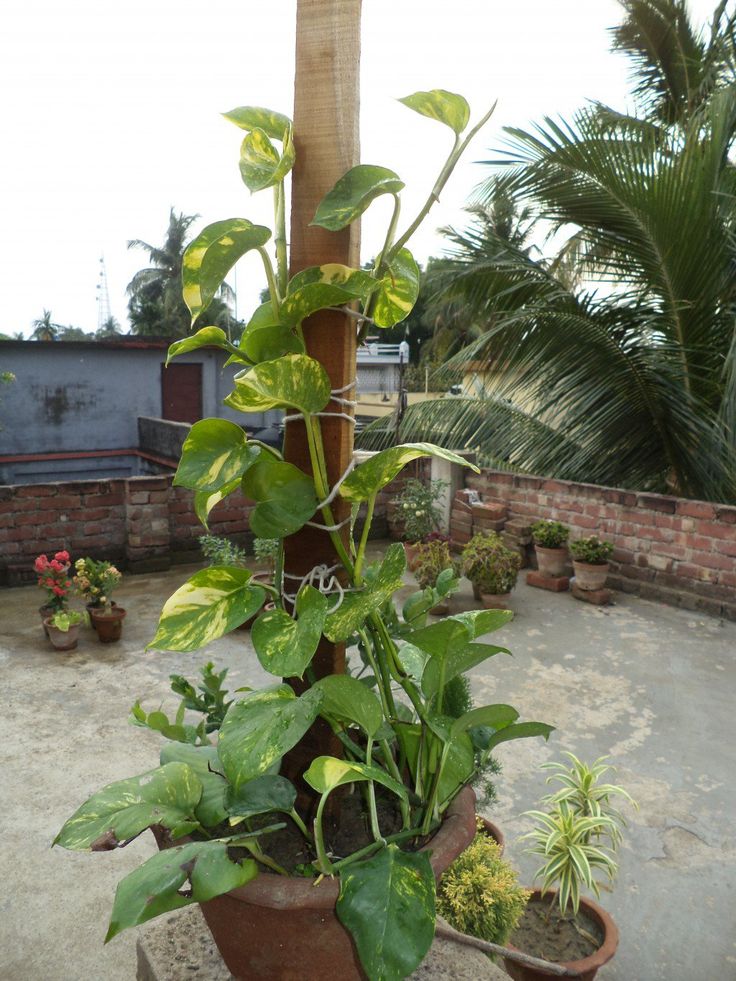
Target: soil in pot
x,y
542,932
551,561
108,623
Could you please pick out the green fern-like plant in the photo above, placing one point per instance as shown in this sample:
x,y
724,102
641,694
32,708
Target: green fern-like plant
x,y
479,893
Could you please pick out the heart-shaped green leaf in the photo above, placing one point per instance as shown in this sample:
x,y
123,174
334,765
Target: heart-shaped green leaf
x,y
204,501
347,700
295,381
159,885
456,660
356,282
380,469
211,256
270,343
284,495
285,647
260,728
203,760
439,638
215,453
210,604
520,730
355,607
275,124
397,291
479,622
458,756
205,337
495,716
269,792
414,660
387,903
446,107
302,303
352,194
326,773
261,165
121,810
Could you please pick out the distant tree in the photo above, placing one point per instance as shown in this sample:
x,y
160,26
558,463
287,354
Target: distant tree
x,y
156,307
70,333
44,329
110,328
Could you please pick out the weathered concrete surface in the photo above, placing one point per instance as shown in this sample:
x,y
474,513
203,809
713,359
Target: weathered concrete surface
x,y
181,946
651,685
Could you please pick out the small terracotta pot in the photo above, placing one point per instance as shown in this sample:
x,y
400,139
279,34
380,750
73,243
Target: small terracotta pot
x,y
587,968
590,577
551,561
286,929
493,831
495,601
63,640
108,623
46,611
441,610
411,550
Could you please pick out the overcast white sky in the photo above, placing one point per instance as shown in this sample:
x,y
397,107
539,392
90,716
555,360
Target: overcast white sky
x,y
110,115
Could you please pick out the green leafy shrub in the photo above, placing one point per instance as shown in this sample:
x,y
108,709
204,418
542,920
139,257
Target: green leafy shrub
x,y
418,508
432,559
95,581
591,550
550,534
64,619
221,551
479,893
489,564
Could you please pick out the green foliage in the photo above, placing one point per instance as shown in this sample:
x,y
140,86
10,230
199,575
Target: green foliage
x,y
591,550
64,619
266,549
550,534
221,551
432,558
479,893
489,564
208,698
418,508
96,580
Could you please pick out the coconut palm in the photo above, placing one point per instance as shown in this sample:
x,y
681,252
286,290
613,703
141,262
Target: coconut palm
x,y
44,329
629,379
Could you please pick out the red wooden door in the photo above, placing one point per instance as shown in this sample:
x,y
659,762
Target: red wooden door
x,y
181,392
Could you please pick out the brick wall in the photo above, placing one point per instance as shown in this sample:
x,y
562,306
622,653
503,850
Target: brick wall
x,y
143,523
671,549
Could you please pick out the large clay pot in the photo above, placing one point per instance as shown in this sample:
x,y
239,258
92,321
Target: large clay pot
x,y
411,550
551,561
495,601
586,968
285,929
63,640
590,577
108,623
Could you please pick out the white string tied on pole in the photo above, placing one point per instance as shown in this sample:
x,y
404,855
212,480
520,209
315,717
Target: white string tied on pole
x,y
322,578
299,417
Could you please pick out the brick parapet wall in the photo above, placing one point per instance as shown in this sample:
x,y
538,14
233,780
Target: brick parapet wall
x,y
142,523
679,551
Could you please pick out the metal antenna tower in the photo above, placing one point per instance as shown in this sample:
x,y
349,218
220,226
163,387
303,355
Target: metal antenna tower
x,y
103,297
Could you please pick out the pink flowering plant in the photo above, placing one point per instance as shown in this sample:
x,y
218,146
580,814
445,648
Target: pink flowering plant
x,y
53,576
95,581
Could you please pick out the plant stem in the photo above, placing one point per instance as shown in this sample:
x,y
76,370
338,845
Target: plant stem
x,y
323,863
300,824
374,846
280,237
372,810
364,538
273,288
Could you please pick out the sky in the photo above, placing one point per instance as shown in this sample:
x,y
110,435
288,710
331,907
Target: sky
x,y
110,114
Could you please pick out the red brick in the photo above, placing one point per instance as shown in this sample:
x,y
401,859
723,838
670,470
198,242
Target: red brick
x,y
158,496
112,499
726,515
481,524
715,530
711,560
28,518
93,528
696,509
491,511
656,502
598,597
556,584
35,490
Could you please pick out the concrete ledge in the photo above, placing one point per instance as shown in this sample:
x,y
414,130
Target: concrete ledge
x,y
180,946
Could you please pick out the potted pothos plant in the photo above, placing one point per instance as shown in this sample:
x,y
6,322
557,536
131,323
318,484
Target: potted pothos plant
x,y
590,562
491,567
550,538
292,883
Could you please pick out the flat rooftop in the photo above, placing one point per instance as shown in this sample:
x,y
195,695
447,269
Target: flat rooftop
x,y
650,685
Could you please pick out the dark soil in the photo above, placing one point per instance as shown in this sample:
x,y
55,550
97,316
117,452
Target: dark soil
x,y
542,932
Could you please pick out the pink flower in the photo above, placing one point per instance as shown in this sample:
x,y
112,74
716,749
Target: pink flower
x,y
40,564
62,556
58,590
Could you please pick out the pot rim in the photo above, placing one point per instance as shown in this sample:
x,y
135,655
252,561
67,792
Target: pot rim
x,y
546,548
590,565
282,892
604,920
115,613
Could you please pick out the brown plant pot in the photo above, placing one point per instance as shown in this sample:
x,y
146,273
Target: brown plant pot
x,y
551,562
441,610
46,611
108,623
476,591
495,601
586,968
493,831
91,607
63,640
411,550
589,577
286,929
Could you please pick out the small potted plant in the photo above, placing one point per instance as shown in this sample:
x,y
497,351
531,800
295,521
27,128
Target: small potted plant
x,y
62,628
419,513
265,551
479,893
590,561
221,551
432,559
492,568
95,581
53,576
577,838
550,538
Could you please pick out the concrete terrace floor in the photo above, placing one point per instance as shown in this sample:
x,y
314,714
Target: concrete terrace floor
x,y
650,685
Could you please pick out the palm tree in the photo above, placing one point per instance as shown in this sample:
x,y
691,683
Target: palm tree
x,y
110,328
629,370
44,329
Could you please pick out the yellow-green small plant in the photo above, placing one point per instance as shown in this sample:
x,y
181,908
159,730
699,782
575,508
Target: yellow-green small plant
x,y
479,893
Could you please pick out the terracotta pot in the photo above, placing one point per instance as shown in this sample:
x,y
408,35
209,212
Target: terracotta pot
x,y
587,968
91,607
495,601
63,640
590,577
411,550
108,623
551,561
476,591
45,612
286,929
441,610
493,831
